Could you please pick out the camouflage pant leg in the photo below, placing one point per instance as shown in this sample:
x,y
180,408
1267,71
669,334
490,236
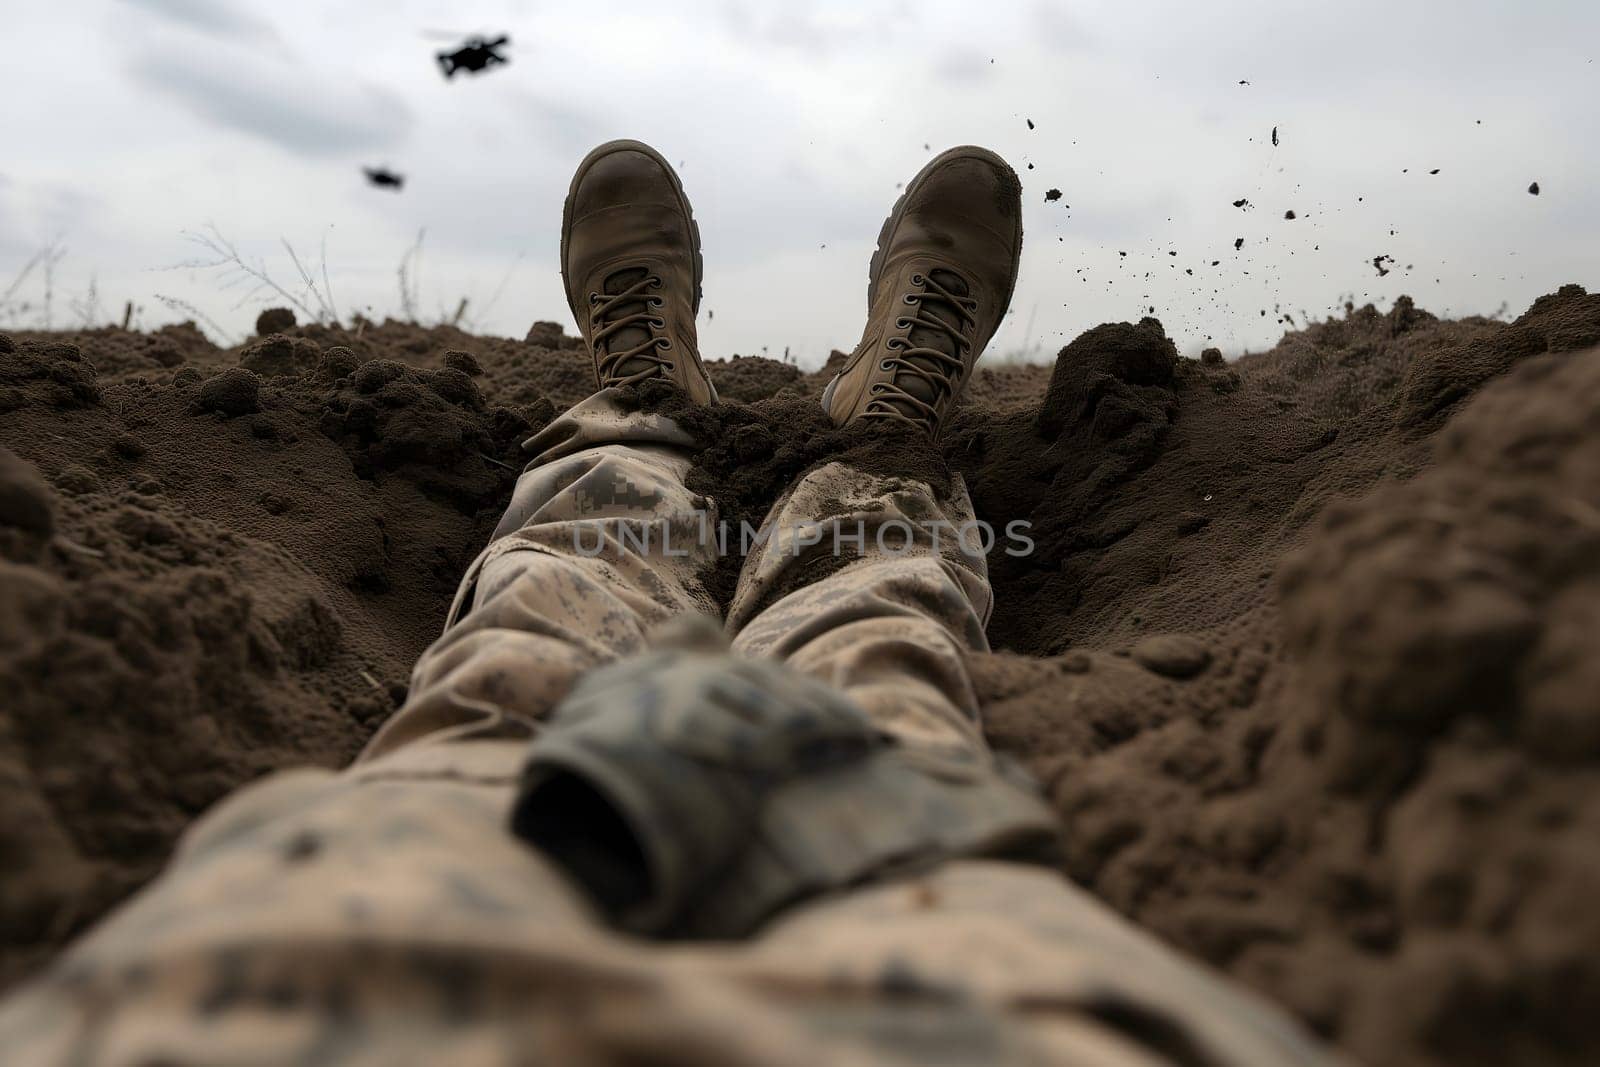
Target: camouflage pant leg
x,y
1015,950
601,541
885,606
563,587
383,916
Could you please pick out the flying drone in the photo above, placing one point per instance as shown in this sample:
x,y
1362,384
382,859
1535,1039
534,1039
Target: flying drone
x,y
476,55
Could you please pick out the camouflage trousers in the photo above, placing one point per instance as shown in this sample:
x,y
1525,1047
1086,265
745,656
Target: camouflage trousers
x,y
385,915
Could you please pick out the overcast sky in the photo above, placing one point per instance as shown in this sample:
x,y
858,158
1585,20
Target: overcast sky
x,y
127,123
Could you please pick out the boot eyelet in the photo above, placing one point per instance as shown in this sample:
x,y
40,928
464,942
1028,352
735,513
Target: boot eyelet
x,y
917,279
657,302
665,344
594,298
668,365
878,388
655,282
909,298
659,323
902,324
885,365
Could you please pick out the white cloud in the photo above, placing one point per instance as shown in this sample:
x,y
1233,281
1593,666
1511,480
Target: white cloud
x,y
216,17
289,106
234,71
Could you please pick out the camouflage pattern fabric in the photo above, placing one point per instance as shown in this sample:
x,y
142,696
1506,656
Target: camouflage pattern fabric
x,y
385,915
566,585
696,793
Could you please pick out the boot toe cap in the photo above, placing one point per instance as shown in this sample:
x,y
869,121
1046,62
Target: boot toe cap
x,y
976,186
624,176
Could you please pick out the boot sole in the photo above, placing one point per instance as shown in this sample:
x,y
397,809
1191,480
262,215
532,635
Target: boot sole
x,y
590,160
875,268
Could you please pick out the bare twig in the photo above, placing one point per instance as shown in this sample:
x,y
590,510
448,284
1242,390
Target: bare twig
x,y
410,264
22,275
325,308
50,261
197,315
47,258
496,462
505,280
88,308
327,286
316,302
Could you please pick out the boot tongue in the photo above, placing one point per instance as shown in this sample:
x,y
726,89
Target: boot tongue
x,y
630,336
932,337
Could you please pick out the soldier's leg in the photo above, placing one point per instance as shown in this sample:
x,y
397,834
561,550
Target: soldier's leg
x,y
878,585
600,542
1001,957
892,624
1007,960
601,539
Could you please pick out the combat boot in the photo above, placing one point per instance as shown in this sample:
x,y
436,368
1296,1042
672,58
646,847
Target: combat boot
x,y
939,284
630,261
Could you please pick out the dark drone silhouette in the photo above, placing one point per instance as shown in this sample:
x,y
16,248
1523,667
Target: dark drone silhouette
x,y
384,178
475,56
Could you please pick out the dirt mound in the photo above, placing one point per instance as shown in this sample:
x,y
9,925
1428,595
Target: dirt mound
x,y
1315,706
1303,652
221,570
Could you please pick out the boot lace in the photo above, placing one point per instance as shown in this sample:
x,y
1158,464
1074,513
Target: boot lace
x,y
941,370
642,355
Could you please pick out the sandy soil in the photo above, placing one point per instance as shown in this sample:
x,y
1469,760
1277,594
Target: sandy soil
x,y
1306,654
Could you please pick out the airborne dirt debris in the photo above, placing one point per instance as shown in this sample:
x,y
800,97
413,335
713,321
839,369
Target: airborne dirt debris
x,y
1303,655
